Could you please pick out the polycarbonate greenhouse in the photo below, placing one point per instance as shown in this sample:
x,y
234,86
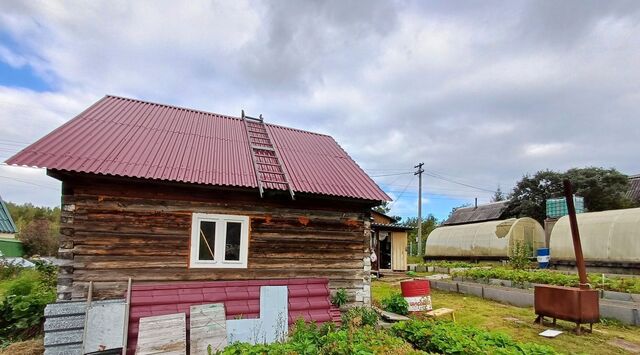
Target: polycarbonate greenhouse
x,y
486,240
608,236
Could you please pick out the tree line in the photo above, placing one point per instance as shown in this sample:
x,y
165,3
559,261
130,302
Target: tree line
x,y
38,227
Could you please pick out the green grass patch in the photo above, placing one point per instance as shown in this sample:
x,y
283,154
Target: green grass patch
x,y
518,322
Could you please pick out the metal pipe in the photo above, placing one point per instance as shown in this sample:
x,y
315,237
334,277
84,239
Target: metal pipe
x,y
575,235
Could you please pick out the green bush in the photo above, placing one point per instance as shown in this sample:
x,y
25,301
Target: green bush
x,y
621,284
359,316
340,297
22,309
451,338
395,303
519,256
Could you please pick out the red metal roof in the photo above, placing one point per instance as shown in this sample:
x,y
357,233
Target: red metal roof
x,y
308,299
133,138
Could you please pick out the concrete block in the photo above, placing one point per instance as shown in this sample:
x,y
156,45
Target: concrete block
x,y
430,269
500,282
617,296
471,289
620,312
441,270
510,296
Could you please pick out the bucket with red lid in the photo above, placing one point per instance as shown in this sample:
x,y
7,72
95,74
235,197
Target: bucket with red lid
x,y
417,293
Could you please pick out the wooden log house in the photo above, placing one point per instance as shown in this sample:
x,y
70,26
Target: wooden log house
x,y
161,193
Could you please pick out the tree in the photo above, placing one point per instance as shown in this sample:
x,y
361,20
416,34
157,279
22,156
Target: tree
x,y
38,238
428,225
498,195
383,208
602,189
38,227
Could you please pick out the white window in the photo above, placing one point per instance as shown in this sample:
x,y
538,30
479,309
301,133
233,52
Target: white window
x,y
219,241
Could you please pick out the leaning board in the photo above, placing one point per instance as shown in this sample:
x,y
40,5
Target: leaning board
x,y
162,335
208,327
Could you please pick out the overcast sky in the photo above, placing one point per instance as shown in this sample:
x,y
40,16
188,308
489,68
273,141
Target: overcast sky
x,y
482,92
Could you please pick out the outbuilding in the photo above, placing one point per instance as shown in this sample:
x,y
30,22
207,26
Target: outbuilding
x,y
486,240
389,243
161,193
9,245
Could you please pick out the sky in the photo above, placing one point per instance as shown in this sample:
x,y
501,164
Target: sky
x,y
481,92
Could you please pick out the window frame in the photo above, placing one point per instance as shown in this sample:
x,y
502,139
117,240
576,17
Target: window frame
x,y
218,261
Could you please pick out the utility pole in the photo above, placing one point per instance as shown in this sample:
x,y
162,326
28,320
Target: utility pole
x,y
419,237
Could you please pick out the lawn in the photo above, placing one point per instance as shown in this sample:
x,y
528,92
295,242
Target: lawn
x,y
518,322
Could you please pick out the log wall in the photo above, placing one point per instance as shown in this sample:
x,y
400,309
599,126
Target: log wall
x,y
112,230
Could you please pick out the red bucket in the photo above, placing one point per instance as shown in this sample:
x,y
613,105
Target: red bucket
x,y
417,293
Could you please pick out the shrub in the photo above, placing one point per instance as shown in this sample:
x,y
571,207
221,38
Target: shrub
x,y
519,256
310,339
339,298
39,238
22,309
359,316
451,338
395,303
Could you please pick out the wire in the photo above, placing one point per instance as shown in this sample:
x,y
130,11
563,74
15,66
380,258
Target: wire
x,y
459,183
28,182
405,173
402,193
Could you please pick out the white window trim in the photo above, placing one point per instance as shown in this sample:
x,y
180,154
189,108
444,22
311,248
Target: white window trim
x,y
221,235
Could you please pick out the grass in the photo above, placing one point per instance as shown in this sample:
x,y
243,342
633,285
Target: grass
x,y
27,347
518,322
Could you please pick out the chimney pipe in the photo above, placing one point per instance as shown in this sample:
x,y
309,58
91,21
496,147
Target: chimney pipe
x,y
575,235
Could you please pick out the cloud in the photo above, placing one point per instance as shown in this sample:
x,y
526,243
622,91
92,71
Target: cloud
x,y
481,92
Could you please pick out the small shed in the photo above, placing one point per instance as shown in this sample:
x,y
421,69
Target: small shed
x,y
486,240
634,188
389,243
9,245
607,237
480,213
161,193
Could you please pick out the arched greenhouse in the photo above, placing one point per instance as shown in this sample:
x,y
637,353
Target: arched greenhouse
x,y
486,240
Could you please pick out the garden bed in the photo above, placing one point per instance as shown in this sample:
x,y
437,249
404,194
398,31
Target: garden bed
x,y
528,278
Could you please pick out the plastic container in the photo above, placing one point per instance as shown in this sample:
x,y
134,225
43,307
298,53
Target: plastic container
x,y
417,293
543,257
557,207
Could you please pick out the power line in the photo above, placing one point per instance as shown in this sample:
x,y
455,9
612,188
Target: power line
x,y
401,193
459,183
396,174
28,182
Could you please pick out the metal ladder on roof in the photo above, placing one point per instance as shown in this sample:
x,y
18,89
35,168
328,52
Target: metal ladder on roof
x,y
270,172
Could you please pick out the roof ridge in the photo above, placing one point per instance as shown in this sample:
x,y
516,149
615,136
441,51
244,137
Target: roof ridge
x,y
484,204
209,113
172,106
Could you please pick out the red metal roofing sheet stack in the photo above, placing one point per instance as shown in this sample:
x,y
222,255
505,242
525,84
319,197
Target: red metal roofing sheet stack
x,y
308,299
132,138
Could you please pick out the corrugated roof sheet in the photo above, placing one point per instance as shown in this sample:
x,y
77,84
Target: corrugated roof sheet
x,y
481,213
127,137
307,299
6,222
634,188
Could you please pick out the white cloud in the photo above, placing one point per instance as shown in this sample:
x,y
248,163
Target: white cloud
x,y
484,93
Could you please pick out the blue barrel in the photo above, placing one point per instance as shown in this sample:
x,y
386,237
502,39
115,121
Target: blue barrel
x,y
543,257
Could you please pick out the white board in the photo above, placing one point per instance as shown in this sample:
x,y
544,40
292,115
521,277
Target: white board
x,y
162,335
105,326
208,328
273,324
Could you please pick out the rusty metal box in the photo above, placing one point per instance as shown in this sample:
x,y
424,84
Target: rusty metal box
x,y
567,303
